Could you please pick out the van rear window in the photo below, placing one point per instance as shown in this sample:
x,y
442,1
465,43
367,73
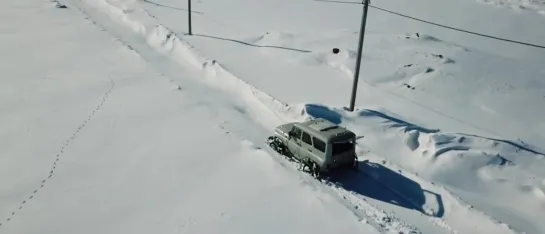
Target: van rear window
x,y
339,148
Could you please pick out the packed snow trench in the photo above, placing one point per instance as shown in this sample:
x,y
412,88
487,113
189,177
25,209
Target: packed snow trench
x,y
130,126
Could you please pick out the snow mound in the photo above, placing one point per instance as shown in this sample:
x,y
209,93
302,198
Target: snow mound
x,y
343,61
415,67
518,5
426,39
435,148
59,5
274,37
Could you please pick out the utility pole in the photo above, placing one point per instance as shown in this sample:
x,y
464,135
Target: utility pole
x,y
189,15
358,60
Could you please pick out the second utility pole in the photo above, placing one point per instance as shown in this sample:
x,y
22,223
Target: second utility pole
x,y
189,13
358,60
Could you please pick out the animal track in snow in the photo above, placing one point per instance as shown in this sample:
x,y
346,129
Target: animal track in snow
x,y
61,151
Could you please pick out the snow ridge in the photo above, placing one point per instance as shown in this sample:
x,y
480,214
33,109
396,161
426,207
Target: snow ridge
x,y
169,43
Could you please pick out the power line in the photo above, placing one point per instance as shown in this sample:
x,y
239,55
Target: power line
x,y
457,29
436,24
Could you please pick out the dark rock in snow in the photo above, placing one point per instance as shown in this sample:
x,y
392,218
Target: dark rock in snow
x,y
429,69
409,86
61,6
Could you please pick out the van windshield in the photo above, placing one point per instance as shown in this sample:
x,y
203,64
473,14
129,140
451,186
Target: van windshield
x,y
342,147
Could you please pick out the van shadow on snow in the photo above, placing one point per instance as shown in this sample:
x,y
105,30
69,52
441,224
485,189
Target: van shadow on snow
x,y
376,181
381,183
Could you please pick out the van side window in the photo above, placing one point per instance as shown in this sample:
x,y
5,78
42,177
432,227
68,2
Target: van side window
x,y
306,138
318,144
297,133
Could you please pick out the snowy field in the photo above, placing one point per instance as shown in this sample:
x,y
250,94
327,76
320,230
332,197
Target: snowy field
x,y
519,5
115,120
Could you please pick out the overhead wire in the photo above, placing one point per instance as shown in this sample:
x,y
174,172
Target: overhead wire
x,y
437,24
456,29
444,26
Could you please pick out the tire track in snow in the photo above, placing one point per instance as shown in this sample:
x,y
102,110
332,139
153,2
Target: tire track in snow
x,y
53,168
365,212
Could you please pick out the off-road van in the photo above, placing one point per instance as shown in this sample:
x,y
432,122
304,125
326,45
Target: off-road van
x,y
319,143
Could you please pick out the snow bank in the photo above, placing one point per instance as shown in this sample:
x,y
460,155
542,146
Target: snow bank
x,y
119,11
344,60
167,42
171,44
265,108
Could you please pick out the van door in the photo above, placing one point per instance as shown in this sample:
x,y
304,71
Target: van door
x,y
294,144
308,150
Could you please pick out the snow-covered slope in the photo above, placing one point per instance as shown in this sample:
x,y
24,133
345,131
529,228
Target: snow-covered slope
x,y
132,149
117,121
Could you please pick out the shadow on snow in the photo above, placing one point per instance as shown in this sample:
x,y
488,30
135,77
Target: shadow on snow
x,y
171,7
319,111
396,123
346,2
376,181
381,183
253,45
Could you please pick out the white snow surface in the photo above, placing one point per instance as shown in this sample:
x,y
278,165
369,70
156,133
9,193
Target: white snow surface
x,y
115,120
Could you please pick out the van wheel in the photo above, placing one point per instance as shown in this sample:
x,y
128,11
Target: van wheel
x,y
312,167
315,170
277,145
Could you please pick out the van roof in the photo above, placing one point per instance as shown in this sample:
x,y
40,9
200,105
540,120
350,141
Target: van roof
x,y
323,129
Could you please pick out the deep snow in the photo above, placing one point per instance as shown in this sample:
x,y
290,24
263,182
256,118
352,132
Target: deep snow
x,y
141,103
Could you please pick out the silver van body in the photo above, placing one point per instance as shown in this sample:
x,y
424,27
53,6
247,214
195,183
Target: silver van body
x,y
327,145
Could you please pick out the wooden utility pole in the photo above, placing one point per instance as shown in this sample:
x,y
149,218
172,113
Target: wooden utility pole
x,y
358,60
189,15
